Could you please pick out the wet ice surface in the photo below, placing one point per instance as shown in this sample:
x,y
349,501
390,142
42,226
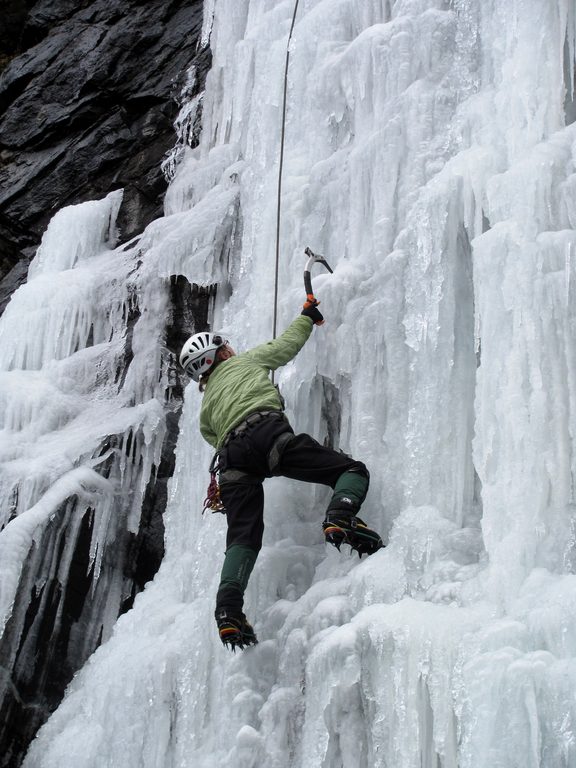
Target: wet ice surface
x,y
427,156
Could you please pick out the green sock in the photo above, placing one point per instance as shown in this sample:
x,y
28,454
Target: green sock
x,y
350,485
238,564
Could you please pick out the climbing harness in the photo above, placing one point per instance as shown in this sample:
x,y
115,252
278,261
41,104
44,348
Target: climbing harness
x,y
213,500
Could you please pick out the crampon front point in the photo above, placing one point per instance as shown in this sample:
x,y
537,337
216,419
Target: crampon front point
x,y
235,631
351,530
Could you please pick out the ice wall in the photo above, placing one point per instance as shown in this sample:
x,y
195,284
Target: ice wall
x,y
428,156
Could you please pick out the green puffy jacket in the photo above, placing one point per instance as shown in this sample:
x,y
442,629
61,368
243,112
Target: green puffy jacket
x,y
241,385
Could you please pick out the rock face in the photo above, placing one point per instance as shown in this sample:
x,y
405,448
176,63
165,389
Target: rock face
x,y
88,96
87,106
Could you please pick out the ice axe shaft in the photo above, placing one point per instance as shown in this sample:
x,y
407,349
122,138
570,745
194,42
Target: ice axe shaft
x,y
313,258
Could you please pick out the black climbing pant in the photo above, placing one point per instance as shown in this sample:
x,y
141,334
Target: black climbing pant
x,y
270,448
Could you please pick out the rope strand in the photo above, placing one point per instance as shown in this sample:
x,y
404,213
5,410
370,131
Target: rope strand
x,y
278,209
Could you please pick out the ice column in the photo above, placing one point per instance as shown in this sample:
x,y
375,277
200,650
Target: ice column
x,y
427,156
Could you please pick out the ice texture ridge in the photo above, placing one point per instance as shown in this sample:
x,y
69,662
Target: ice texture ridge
x,y
431,156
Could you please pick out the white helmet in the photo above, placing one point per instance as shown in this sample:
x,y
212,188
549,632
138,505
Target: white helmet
x,y
198,354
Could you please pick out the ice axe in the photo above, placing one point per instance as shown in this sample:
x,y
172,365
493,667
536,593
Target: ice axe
x,y
313,258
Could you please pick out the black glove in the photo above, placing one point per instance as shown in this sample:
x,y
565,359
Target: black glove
x,y
311,310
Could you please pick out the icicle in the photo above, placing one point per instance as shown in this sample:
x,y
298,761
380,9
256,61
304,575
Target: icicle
x,y
571,43
426,153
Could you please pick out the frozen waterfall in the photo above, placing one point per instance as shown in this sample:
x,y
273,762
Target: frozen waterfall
x,y
431,156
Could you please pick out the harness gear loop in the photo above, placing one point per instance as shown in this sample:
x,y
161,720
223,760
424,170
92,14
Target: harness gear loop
x,y
213,502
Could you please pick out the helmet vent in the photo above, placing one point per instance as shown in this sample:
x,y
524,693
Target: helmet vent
x,y
199,353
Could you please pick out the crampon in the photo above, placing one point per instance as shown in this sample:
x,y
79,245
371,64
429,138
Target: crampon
x,y
345,529
235,630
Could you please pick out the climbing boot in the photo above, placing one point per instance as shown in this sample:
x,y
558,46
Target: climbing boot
x,y
234,629
349,529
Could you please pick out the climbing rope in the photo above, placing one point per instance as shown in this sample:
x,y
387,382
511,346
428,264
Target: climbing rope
x,y
278,209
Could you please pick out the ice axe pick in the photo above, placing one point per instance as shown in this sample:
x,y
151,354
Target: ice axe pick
x,y
313,258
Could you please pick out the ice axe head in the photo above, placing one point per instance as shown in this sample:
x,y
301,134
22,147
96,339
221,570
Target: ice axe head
x,y
312,259
315,257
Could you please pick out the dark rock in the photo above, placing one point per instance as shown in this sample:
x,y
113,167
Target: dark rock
x,y
61,613
89,107
14,13
35,648
13,279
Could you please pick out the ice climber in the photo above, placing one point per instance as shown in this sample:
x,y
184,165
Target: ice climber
x,y
242,417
